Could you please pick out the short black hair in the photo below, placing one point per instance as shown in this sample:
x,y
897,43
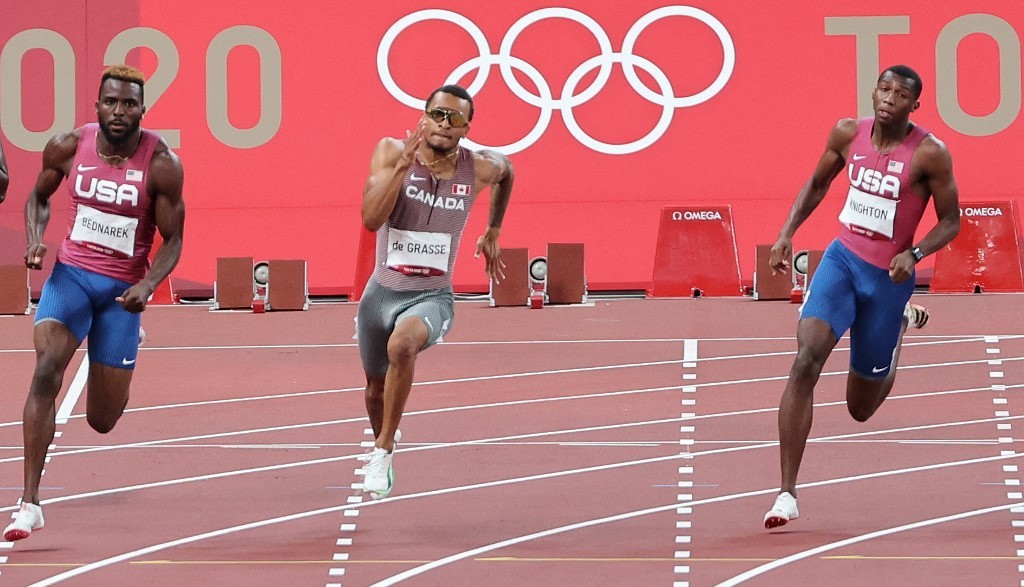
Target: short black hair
x,y
908,73
458,92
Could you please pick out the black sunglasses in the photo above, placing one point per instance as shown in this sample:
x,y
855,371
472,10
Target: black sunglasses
x,y
456,119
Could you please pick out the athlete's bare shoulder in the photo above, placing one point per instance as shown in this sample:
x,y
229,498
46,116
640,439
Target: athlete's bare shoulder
x,y
932,146
841,135
491,166
60,150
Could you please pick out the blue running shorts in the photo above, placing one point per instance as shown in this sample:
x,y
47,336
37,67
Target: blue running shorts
x,y
84,302
851,294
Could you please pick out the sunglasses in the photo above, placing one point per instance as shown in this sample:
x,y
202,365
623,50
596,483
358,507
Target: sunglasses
x,y
456,119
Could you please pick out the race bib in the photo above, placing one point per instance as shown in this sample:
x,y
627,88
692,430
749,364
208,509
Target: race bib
x,y
869,215
109,234
419,253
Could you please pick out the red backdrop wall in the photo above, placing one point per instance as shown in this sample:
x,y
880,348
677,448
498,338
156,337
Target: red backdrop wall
x,y
276,106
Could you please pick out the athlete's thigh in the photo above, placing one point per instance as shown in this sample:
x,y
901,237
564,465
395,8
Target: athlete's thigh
x,y
830,297
375,320
107,389
876,330
66,300
436,310
114,336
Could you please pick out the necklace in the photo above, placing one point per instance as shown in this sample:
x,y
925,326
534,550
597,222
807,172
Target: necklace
x,y
432,164
117,160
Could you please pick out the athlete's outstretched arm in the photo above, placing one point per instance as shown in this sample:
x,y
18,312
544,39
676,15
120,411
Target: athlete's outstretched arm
x,y
57,156
495,170
391,159
4,177
167,178
829,165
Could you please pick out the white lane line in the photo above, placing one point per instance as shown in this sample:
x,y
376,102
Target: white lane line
x,y
762,569
586,524
463,555
74,392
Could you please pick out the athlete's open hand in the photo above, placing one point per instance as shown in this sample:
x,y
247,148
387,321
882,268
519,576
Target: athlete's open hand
x,y
134,298
34,256
412,142
901,267
782,252
488,245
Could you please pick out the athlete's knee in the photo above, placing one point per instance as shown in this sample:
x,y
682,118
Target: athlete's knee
x,y
862,410
47,378
374,389
808,363
103,422
403,348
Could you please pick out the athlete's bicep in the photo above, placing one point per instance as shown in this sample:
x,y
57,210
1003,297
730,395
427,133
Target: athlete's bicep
x,y
167,177
942,184
382,163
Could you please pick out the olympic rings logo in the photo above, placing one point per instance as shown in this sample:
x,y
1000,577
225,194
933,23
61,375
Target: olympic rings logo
x,y
568,99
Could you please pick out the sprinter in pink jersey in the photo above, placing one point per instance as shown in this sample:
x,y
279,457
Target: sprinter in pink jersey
x,y
124,184
866,277
417,198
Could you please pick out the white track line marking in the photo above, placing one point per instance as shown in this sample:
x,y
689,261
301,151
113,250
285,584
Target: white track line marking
x,y
74,392
760,570
466,554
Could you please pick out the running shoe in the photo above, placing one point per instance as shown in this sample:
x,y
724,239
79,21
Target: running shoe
x,y
916,315
29,518
782,512
379,473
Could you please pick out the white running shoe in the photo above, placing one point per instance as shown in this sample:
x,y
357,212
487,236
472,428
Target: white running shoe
x,y
782,512
142,336
29,518
916,315
379,473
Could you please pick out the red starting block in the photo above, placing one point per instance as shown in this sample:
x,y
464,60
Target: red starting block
x,y
566,281
14,289
515,289
769,285
985,256
287,285
234,288
696,253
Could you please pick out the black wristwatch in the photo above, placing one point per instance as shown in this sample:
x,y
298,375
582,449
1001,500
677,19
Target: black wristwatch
x,y
916,252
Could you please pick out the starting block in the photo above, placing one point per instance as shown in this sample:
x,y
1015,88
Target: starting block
x,y
515,289
287,285
985,256
234,288
566,282
696,253
15,293
769,285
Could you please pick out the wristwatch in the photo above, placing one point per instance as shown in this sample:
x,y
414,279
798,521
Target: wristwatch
x,y
916,252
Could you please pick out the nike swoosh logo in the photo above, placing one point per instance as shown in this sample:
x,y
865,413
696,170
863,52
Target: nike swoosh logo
x,y
414,177
857,157
878,369
127,362
82,168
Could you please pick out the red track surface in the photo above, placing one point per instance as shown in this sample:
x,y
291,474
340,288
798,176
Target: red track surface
x,y
541,447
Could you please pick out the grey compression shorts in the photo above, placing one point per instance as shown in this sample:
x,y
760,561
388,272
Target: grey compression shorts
x,y
381,308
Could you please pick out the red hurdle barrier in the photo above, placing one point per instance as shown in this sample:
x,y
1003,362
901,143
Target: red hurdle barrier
x,y
985,256
696,253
